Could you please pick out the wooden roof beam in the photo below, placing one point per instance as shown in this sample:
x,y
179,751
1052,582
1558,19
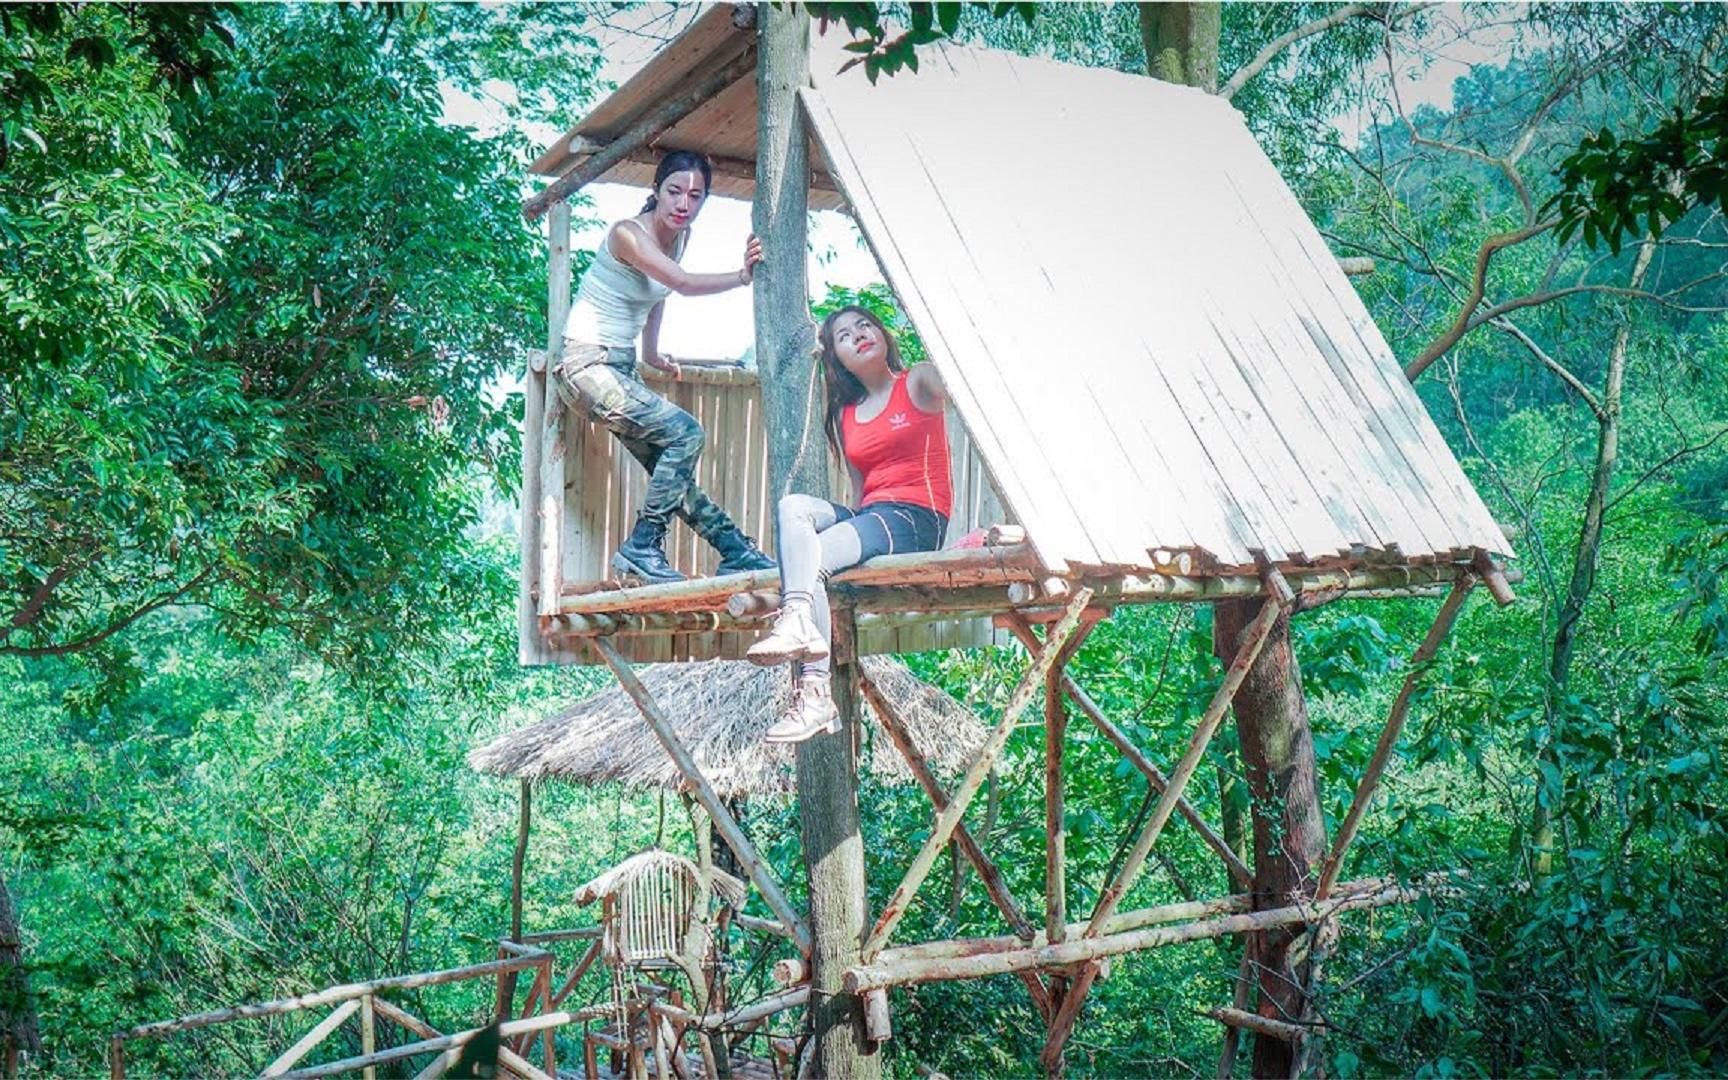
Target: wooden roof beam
x,y
658,120
733,168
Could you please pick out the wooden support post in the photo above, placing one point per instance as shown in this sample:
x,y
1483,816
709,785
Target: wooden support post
x,y
1062,1025
754,867
878,1025
1494,576
117,1057
658,120
827,772
1242,996
1253,639
1277,750
895,908
988,872
507,979
549,495
1437,633
368,1036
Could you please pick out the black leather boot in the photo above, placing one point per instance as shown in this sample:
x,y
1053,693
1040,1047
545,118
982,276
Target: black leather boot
x,y
643,555
739,554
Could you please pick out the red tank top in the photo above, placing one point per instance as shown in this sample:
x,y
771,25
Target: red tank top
x,y
902,453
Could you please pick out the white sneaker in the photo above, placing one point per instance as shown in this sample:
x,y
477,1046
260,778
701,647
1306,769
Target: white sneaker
x,y
794,637
811,712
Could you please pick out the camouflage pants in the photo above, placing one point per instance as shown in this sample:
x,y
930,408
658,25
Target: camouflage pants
x,y
601,383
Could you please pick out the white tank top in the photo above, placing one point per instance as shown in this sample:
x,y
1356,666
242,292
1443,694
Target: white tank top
x,y
614,299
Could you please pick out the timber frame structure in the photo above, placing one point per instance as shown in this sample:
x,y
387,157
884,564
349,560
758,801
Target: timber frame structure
x,y
1297,466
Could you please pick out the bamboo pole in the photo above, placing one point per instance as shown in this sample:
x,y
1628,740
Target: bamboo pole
x,y
328,996
1254,638
445,1043
1437,633
752,863
1260,1025
643,132
320,1031
507,980
1089,950
942,582
575,976
368,1036
549,495
1154,775
1120,923
1240,1000
895,908
790,998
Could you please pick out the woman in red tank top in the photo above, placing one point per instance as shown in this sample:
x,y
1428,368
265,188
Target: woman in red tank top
x,y
886,423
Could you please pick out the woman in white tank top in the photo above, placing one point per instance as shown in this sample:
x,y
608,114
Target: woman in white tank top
x,y
621,297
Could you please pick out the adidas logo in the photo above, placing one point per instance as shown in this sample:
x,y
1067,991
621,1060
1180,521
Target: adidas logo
x,y
898,421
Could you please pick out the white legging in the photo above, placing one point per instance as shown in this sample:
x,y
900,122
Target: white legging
x,y
814,543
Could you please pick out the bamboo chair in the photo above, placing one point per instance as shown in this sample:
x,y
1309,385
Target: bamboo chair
x,y
651,904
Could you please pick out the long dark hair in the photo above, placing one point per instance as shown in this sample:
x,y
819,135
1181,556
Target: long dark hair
x,y
679,161
842,387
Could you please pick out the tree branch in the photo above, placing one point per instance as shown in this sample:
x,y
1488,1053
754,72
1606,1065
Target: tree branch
x,y
111,629
39,599
1283,41
1565,375
1478,285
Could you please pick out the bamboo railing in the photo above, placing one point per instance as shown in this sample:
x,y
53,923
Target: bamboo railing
x,y
366,1002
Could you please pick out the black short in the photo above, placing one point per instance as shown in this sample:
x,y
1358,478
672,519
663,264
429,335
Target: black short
x,y
890,528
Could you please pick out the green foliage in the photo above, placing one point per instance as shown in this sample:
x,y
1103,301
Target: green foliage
x,y
1615,187
883,52
250,334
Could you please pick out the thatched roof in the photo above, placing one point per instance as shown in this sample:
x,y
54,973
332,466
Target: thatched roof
x,y
720,709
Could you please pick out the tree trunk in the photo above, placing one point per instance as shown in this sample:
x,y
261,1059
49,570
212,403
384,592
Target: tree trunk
x,y
1550,782
797,461
1289,834
1181,43
19,1034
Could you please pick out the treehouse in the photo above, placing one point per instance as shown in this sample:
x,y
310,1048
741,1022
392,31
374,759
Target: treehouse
x,y
1172,398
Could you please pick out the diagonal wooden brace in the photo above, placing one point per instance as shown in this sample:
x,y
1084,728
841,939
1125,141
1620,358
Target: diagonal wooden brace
x,y
946,820
1154,775
988,872
1254,638
705,794
1437,635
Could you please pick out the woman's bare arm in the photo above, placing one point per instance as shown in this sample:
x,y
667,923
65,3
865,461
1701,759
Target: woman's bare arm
x,y
631,246
924,383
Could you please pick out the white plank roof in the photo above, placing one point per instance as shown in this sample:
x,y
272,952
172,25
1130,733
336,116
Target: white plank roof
x,y
1146,335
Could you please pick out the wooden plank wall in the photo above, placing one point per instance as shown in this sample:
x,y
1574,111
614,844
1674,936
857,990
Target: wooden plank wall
x,y
605,486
